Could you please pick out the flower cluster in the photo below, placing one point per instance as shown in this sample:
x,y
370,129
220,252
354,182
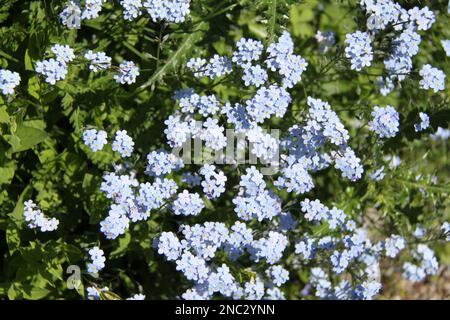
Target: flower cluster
x,y
152,196
432,78
349,164
98,61
201,243
394,245
188,204
93,293
254,200
123,143
36,219
214,181
271,248
281,58
55,69
385,121
427,264
92,9
168,245
424,122
128,71
217,66
326,40
278,274
71,15
305,152
178,131
327,120
52,70
116,223
306,248
204,240
132,201
351,247
94,139
137,296
295,178
169,10
441,134
382,13
267,102
97,260
191,102
254,75
8,81
446,46
404,48
386,85
161,162
159,10
404,42
387,12
193,267
316,211
359,50
248,50
446,230
131,9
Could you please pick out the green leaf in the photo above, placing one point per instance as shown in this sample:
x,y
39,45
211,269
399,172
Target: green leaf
x,y
37,124
56,271
33,87
301,17
273,19
14,141
136,51
7,56
108,295
4,116
35,293
28,137
12,292
7,172
72,253
17,214
13,239
75,119
28,61
122,247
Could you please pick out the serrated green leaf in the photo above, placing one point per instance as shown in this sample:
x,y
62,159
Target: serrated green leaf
x,y
177,57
